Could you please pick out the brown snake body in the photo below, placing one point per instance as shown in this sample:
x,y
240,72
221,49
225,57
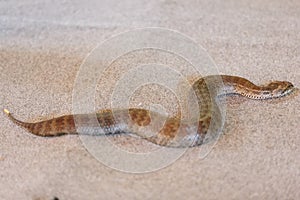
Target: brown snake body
x,y
174,132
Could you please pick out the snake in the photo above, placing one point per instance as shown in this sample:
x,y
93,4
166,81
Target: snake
x,y
173,132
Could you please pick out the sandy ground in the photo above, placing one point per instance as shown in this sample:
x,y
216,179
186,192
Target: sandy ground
x,y
43,44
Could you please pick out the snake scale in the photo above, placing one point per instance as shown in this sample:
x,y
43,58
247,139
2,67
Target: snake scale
x,y
173,132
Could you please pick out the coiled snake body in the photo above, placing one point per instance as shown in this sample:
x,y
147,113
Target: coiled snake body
x,y
174,132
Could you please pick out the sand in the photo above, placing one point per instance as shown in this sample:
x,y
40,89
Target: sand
x,y
42,47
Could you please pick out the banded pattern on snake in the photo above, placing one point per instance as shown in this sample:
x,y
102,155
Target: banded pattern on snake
x,y
174,132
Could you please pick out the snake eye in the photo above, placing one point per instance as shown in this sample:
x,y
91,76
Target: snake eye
x,y
273,85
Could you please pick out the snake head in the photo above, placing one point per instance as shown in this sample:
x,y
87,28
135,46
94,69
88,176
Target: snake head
x,y
278,89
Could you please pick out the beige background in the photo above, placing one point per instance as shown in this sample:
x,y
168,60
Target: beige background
x,y
43,44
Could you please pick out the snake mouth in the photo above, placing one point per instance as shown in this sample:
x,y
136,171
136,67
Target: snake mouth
x,y
288,90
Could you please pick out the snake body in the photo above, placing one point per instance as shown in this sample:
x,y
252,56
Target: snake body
x,y
173,132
